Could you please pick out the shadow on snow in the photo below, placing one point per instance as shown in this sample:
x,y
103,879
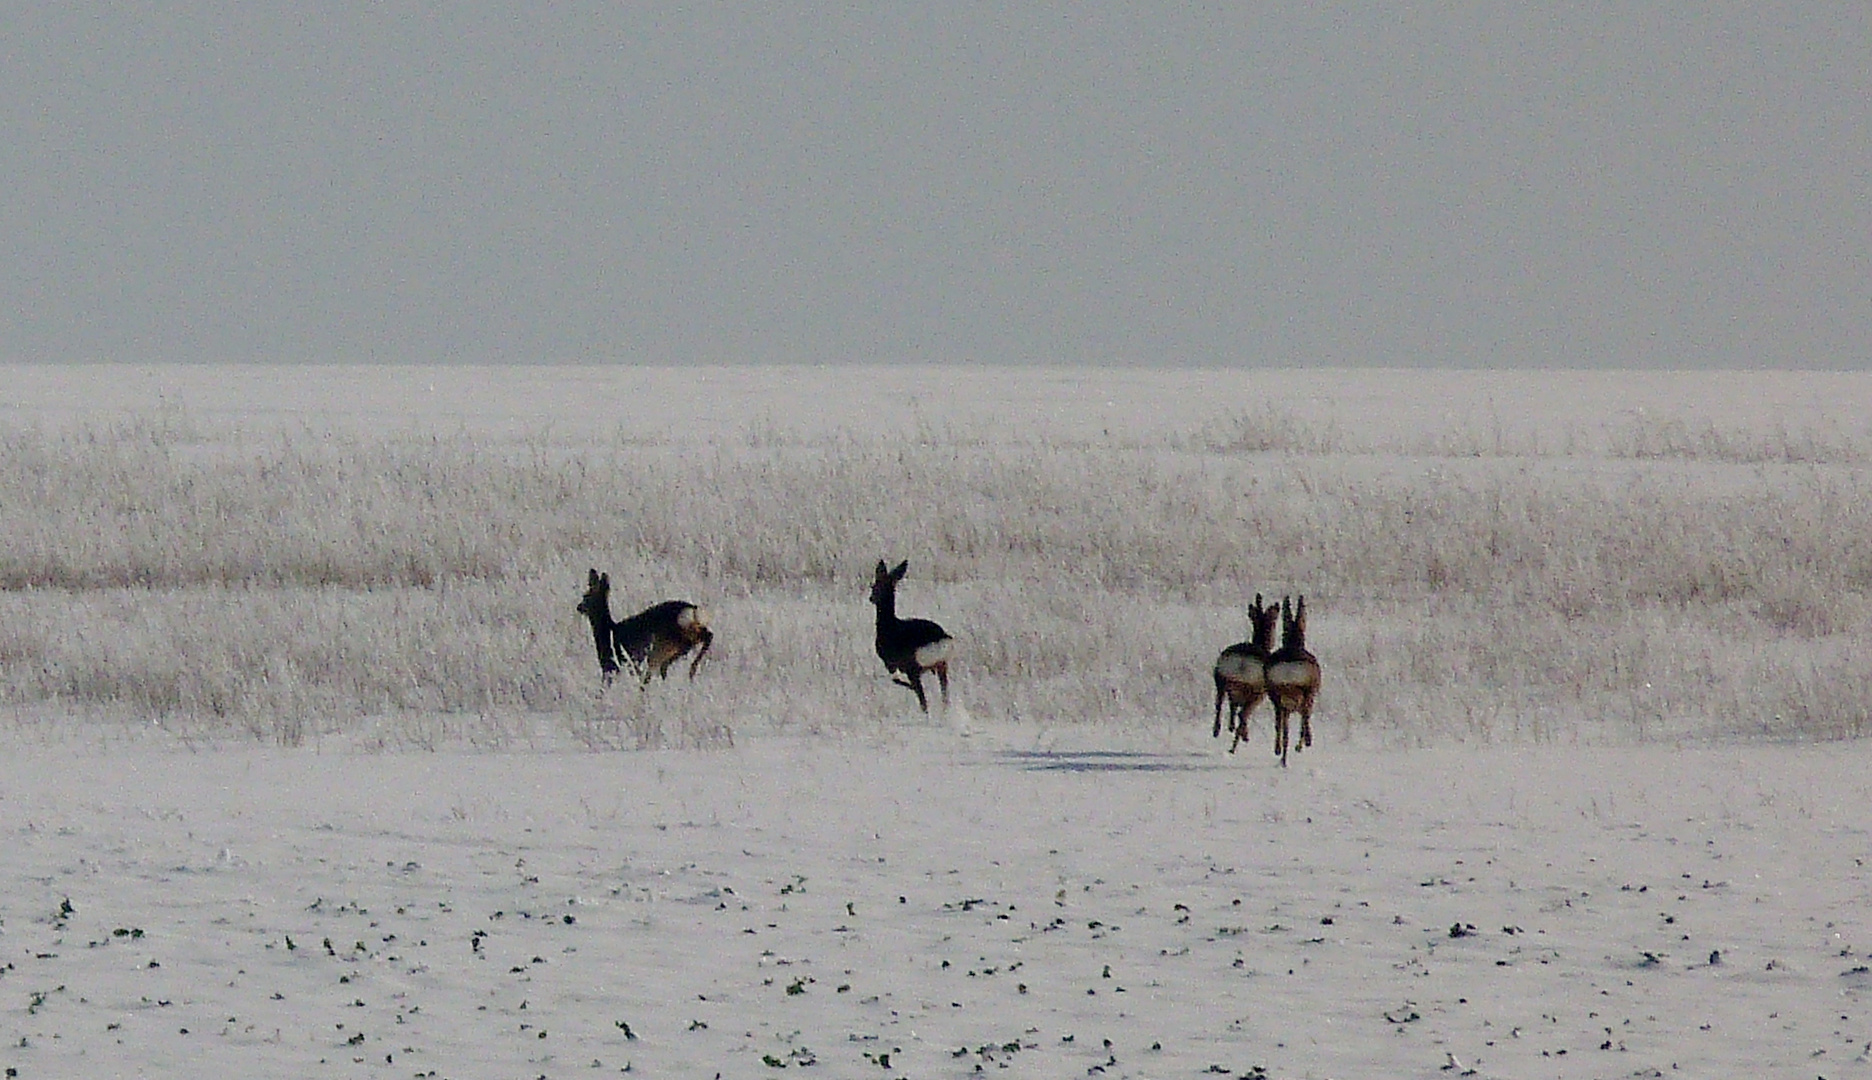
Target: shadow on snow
x,y
1103,761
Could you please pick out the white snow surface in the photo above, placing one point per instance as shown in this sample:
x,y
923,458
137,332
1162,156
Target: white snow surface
x,y
698,404
1137,906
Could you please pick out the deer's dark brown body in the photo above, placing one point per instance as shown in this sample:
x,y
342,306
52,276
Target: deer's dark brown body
x,y
1241,673
651,640
908,647
1293,680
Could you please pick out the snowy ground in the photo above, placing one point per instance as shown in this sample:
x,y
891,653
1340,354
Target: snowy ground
x,y
933,904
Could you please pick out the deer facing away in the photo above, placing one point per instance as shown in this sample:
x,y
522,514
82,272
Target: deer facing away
x,y
651,640
908,647
1241,672
1293,680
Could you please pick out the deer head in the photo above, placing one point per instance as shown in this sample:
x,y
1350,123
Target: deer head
x,y
884,582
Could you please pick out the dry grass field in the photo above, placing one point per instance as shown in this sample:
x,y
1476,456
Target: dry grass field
x,y
290,555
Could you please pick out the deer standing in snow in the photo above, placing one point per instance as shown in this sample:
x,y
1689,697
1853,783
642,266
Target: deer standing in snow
x,y
908,647
1293,680
1241,672
651,640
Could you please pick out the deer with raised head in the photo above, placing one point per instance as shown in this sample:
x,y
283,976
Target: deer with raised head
x,y
1241,672
908,647
1293,680
651,640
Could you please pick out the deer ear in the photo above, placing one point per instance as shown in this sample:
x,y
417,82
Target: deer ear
x,y
882,570
591,577
605,580
897,574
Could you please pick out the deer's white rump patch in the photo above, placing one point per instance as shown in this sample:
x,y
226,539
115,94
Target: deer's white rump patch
x,y
692,618
1241,668
932,654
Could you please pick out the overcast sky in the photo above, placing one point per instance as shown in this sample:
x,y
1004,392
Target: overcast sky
x,y
1477,185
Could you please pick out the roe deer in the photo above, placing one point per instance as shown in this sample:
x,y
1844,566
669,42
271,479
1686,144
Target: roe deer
x,y
1241,672
650,640
1293,680
908,647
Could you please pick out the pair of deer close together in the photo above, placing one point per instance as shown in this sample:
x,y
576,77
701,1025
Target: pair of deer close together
x,y
1289,677
658,636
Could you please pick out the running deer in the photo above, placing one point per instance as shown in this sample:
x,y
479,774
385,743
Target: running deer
x,y
1241,672
908,647
1293,680
651,640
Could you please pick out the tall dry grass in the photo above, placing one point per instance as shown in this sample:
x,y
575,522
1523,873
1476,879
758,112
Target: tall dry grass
x,y
289,584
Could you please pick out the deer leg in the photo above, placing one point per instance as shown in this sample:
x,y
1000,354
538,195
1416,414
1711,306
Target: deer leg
x,y
623,661
1280,734
642,668
912,678
707,639
607,665
1238,727
1247,710
1218,712
1306,725
942,677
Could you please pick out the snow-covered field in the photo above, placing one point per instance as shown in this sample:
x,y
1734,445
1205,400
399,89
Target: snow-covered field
x,y
704,404
248,838
925,904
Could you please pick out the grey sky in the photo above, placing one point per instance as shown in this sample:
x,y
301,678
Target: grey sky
x,y
1631,184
